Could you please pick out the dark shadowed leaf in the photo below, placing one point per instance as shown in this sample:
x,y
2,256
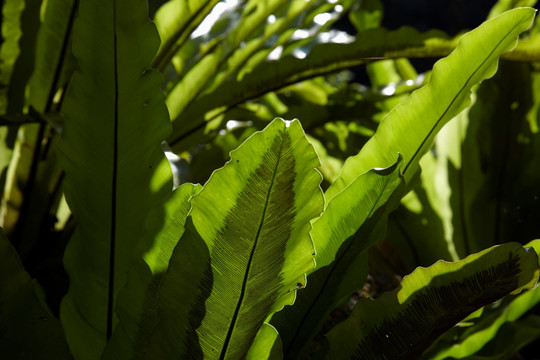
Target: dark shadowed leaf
x,y
28,330
115,170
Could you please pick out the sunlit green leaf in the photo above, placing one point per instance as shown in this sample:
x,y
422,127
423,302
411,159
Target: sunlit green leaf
x,y
367,15
245,250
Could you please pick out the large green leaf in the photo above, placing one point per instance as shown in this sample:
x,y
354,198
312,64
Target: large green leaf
x,y
114,167
479,189
411,126
28,330
401,324
350,224
245,250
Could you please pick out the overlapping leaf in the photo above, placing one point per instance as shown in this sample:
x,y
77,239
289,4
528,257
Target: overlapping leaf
x,y
267,345
464,342
350,224
322,59
401,324
137,301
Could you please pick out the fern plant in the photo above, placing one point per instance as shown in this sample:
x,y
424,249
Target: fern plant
x,y
250,264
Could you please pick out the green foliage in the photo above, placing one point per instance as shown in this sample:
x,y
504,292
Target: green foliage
x,y
115,251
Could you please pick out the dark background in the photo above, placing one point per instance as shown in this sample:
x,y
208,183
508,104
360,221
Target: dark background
x,y
450,16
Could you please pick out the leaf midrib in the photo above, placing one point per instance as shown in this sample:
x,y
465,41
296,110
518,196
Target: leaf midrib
x,y
112,246
246,276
